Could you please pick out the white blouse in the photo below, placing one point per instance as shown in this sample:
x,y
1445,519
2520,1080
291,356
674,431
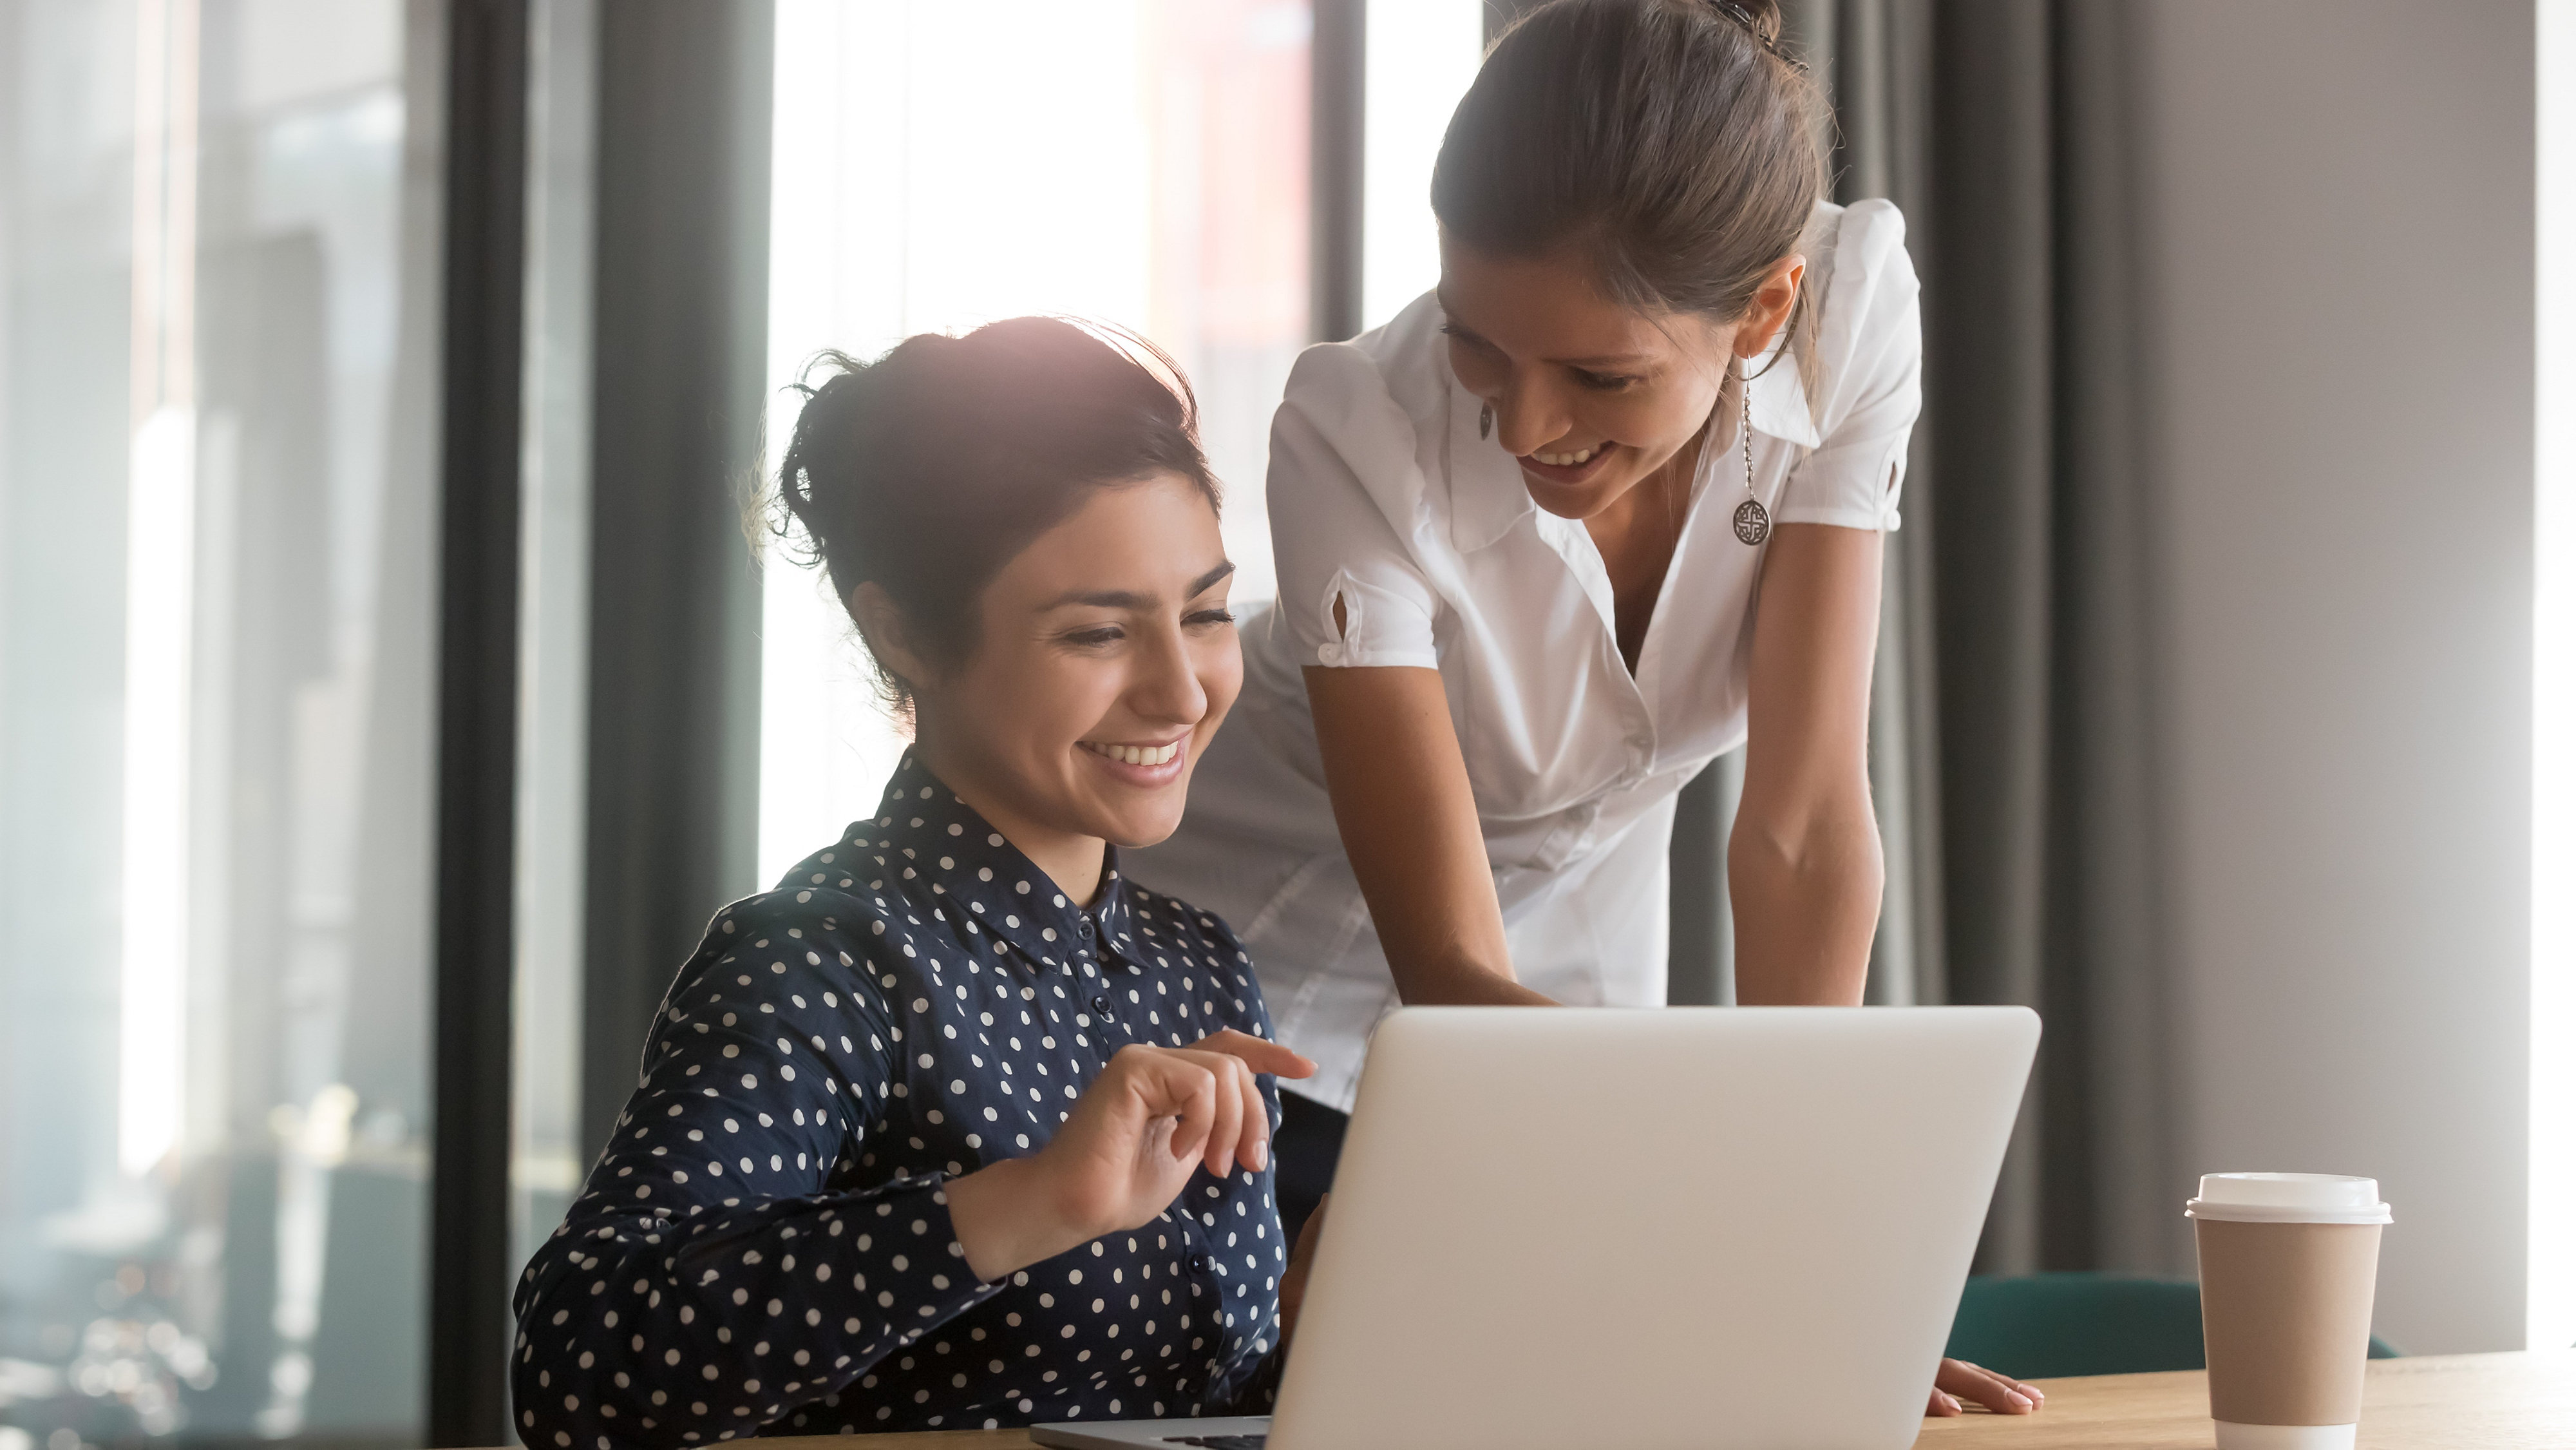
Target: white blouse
x,y
1383,496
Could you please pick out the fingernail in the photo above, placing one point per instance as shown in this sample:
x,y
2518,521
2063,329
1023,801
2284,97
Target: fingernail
x,y
2016,1401
1260,1156
1950,1401
2036,1397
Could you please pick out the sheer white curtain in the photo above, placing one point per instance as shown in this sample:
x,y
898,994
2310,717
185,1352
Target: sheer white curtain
x,y
936,166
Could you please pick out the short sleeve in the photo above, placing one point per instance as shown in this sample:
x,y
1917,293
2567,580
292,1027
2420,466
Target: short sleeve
x,y
1869,343
1335,450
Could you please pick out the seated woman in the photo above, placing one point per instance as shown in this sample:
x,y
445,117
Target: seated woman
x,y
956,1127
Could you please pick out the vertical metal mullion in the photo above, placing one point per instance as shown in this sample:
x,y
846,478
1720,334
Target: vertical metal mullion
x,y
485,265
1339,118
680,320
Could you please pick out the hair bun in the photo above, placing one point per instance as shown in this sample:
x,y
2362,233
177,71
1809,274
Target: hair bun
x,y
927,470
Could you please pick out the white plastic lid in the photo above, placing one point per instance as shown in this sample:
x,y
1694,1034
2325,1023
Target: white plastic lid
x,y
2287,1198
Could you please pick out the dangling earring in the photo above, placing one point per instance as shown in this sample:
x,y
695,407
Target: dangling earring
x,y
1752,520
1485,422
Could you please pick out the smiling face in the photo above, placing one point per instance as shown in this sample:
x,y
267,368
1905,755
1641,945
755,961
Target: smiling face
x,y
1105,661
1591,396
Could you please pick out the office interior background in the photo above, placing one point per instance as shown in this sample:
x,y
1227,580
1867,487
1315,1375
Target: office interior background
x,y
389,687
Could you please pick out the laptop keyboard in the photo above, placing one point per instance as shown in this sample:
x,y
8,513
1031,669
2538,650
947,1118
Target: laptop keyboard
x,y
1220,1442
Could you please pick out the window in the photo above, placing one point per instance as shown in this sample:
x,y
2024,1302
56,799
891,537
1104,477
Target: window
x,y
1422,55
216,572
1145,162
936,166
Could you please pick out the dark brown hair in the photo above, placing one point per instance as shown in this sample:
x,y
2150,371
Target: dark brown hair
x,y
1669,144
928,470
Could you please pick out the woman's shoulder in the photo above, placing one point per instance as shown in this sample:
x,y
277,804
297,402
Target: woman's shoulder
x,y
1860,245
837,890
1868,336
1365,419
1397,364
837,906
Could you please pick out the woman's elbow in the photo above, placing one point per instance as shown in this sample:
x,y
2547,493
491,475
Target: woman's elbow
x,y
1829,837
557,1400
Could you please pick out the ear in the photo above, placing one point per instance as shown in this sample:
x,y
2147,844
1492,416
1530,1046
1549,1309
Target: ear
x,y
881,624
1772,303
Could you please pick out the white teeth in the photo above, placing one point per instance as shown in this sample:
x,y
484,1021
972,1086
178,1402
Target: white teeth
x,y
1136,754
1568,460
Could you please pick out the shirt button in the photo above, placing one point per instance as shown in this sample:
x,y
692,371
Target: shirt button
x,y
1198,1263
1100,1003
1086,926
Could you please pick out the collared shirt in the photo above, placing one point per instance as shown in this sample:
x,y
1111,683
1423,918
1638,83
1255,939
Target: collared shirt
x,y
1384,497
765,1248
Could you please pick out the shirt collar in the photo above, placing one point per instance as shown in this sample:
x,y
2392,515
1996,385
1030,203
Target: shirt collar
x,y
931,840
1487,497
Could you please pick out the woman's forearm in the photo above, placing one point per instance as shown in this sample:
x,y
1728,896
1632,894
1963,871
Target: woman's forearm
x,y
1007,1217
1806,898
1462,984
1408,822
1803,867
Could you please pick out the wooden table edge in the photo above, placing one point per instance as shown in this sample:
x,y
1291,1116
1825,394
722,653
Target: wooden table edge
x,y
2515,1400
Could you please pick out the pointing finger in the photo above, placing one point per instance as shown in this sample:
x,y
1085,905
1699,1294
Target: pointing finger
x,y
1263,1054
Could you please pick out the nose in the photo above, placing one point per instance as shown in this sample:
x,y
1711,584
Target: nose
x,y
1528,413
1166,687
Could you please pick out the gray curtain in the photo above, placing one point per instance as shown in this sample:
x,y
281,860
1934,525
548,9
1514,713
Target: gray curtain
x,y
2010,747
2010,759
1874,70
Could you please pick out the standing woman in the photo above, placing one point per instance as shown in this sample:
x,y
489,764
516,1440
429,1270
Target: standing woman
x,y
1604,505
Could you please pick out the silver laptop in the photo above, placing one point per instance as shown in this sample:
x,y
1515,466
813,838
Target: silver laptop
x,y
1704,1227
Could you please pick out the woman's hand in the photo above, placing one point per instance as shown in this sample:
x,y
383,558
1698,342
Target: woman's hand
x,y
1960,1380
1153,1116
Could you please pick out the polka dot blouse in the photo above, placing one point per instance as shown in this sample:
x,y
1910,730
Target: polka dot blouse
x,y
765,1247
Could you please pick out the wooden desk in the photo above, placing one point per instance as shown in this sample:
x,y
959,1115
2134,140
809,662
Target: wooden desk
x,y
2436,1402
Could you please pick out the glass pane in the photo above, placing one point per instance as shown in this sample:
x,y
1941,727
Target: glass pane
x,y
1421,57
217,515
547,1156
938,165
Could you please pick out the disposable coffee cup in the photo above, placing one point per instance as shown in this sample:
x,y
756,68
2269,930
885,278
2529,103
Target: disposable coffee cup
x,y
2288,1266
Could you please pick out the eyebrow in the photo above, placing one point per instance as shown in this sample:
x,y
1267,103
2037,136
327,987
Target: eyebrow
x,y
1130,599
1604,360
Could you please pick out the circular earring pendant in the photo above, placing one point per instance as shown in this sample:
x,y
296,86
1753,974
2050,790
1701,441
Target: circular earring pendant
x,y
1752,521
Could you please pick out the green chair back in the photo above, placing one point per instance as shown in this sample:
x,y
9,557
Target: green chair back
x,y
2043,1326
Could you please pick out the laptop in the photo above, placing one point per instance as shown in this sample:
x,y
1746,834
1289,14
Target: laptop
x,y
1704,1227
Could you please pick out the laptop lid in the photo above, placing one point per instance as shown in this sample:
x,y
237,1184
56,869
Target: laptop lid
x,y
1678,1227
